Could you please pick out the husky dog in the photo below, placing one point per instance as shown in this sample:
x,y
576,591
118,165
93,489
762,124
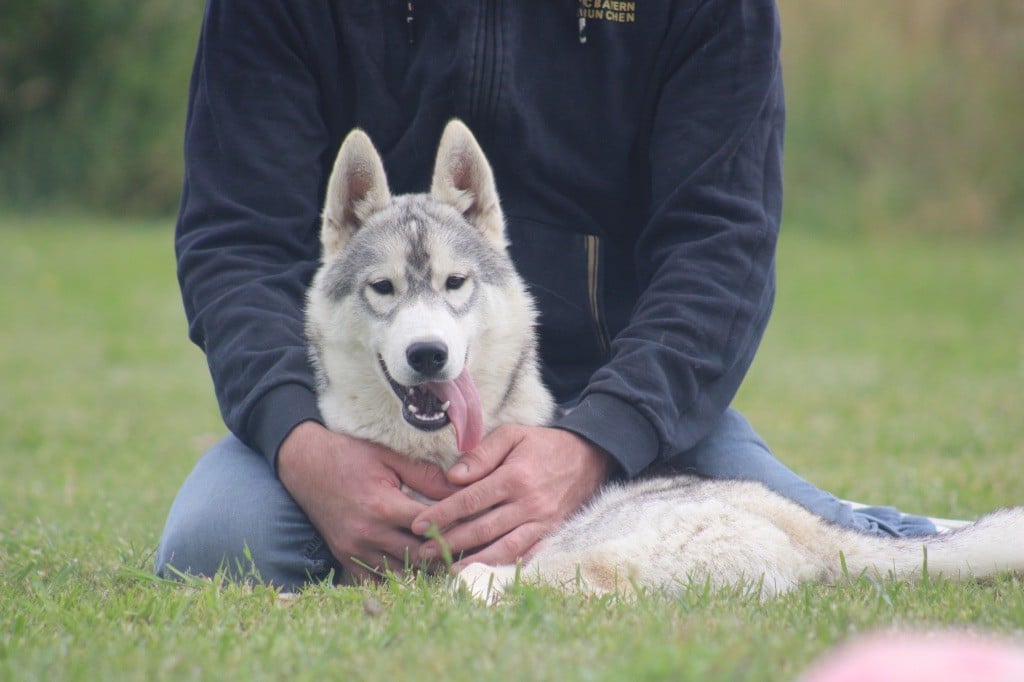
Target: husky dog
x,y
422,337
417,320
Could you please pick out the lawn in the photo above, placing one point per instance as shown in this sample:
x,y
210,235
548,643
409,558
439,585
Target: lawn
x,y
893,372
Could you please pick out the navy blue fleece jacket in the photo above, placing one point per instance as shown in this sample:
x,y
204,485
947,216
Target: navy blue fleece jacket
x,y
637,148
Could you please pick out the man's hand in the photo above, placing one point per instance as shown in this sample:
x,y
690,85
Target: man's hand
x,y
521,481
350,489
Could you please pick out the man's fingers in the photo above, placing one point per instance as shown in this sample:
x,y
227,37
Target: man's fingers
x,y
400,547
507,550
425,478
478,532
460,505
364,570
388,549
390,505
479,462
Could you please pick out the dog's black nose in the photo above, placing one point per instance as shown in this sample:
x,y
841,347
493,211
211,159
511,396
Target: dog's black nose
x,y
427,357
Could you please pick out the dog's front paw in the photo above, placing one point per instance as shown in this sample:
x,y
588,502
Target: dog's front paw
x,y
487,583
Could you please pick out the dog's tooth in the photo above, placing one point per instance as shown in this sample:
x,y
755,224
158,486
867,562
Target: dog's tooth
x,y
446,405
410,391
413,408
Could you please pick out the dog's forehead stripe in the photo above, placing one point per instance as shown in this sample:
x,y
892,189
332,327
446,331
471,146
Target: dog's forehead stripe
x,y
417,253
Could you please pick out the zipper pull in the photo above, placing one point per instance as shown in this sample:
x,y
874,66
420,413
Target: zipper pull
x,y
583,30
410,21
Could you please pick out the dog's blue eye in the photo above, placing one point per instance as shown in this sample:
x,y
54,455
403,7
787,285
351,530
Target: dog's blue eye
x,y
454,282
384,287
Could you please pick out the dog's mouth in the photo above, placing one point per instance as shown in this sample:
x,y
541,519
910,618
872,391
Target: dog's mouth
x,y
433,405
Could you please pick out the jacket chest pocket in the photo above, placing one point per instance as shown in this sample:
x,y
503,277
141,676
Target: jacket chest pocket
x,y
564,272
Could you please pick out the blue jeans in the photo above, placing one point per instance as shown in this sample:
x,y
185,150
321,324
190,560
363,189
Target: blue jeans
x,y
233,514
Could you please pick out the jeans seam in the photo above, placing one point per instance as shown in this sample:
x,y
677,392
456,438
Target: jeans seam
x,y
312,546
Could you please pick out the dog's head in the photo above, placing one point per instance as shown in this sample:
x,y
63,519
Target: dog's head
x,y
405,310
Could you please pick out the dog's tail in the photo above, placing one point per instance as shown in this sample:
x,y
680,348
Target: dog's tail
x,y
993,544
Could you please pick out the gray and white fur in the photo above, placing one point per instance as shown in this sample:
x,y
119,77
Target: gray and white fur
x,y
417,297
360,337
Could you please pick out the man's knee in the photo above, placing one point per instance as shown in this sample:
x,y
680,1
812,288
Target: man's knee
x,y
202,540
233,519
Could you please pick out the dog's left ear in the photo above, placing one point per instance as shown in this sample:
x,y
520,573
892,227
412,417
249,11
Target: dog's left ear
x,y
463,179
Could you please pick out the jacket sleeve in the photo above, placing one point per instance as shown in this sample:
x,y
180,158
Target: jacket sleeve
x,y
705,258
246,245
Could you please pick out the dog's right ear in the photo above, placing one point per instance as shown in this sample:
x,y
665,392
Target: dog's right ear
x,y
463,179
357,189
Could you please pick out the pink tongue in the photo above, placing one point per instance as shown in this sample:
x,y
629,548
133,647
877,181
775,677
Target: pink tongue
x,y
464,413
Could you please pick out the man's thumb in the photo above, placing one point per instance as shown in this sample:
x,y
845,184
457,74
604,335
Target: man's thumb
x,y
479,462
423,477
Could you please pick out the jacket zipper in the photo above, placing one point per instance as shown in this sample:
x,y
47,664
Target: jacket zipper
x,y
487,63
593,245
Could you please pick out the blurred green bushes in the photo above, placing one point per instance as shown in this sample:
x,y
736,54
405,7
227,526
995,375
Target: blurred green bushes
x,y
92,102
903,116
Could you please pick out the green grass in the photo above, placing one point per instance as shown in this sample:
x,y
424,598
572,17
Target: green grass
x,y
892,372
